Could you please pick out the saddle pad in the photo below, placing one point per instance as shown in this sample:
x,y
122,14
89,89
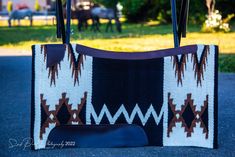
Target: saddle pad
x,y
171,94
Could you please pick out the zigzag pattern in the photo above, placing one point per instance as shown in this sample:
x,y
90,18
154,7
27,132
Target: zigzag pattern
x,y
129,118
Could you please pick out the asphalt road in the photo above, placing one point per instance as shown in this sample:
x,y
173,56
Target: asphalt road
x,y
15,76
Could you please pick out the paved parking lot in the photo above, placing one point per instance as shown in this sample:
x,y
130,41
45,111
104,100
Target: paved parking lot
x,y
15,76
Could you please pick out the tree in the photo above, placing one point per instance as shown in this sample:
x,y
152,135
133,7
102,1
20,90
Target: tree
x,y
144,10
210,6
107,3
225,6
131,7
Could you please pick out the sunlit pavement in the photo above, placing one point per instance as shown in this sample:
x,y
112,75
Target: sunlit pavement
x,y
15,86
14,52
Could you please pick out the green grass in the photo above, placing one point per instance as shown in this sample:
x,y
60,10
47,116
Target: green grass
x,y
18,35
227,63
135,37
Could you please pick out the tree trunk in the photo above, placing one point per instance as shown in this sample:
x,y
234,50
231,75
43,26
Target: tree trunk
x,y
210,6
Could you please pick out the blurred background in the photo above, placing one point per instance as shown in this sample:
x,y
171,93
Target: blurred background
x,y
145,25
119,25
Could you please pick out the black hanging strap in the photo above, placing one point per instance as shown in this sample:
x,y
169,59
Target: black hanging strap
x,y
182,27
60,21
179,30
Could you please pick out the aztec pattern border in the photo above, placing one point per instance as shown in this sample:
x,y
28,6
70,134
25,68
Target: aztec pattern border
x,y
193,75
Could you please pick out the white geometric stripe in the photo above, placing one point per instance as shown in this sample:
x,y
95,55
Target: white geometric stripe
x,y
129,118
